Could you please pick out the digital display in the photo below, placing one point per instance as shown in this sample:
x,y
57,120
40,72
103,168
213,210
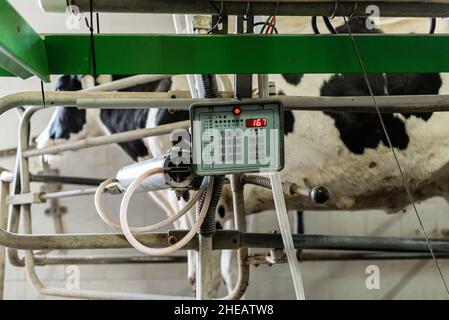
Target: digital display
x,y
255,123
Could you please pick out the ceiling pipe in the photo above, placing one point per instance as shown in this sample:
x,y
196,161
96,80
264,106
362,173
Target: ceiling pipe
x,y
389,8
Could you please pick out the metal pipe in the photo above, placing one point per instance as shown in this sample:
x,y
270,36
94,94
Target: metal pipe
x,y
356,256
19,180
387,104
256,260
411,8
345,243
29,258
127,82
67,194
176,100
6,153
240,225
4,191
105,259
113,138
69,98
204,268
86,294
48,178
82,241
13,218
223,240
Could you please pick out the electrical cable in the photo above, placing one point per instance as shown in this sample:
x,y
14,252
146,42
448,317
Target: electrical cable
x,y
433,25
98,22
43,95
261,23
329,26
265,24
92,42
271,24
404,182
315,25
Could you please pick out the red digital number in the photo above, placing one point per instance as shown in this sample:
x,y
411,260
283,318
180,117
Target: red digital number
x,y
260,122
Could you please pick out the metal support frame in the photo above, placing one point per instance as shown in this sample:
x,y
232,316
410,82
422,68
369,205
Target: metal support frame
x,y
238,54
245,54
4,191
411,8
230,240
205,54
22,51
387,104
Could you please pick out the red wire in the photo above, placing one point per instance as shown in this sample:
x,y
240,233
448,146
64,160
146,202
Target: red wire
x,y
271,24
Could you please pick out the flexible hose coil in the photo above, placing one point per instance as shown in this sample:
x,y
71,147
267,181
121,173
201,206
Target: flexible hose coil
x,y
209,225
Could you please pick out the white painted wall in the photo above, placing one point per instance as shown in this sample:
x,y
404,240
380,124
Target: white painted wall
x,y
323,280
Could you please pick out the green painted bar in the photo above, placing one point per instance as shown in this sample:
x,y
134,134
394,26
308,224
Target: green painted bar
x,y
4,73
170,54
22,51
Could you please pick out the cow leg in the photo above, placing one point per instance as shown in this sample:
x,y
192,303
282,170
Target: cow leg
x,y
227,261
185,223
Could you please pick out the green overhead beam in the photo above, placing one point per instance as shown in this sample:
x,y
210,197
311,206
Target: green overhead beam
x,y
22,51
171,54
4,73
192,54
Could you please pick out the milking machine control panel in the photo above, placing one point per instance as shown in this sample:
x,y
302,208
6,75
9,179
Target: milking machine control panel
x,y
237,137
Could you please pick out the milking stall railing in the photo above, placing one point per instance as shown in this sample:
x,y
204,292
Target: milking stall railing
x,y
25,53
22,198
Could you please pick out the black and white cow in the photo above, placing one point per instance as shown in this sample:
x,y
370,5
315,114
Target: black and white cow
x,y
346,152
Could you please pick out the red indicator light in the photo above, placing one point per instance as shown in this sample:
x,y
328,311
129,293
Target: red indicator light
x,y
254,123
237,111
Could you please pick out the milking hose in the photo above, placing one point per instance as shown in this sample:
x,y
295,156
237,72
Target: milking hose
x,y
178,245
127,231
105,217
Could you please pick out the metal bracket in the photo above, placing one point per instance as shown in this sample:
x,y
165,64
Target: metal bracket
x,y
22,50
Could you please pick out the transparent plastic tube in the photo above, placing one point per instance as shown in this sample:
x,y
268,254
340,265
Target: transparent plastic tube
x,y
287,238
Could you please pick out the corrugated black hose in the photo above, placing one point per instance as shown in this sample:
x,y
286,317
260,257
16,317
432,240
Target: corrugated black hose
x,y
208,227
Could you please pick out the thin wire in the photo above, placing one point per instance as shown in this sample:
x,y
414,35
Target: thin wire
x,y
315,25
265,24
409,194
92,42
271,24
261,23
43,94
220,16
98,22
433,25
329,25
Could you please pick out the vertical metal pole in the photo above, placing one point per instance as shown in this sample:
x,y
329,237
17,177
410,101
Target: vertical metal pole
x,y
204,256
240,225
204,268
243,89
244,82
263,85
4,191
